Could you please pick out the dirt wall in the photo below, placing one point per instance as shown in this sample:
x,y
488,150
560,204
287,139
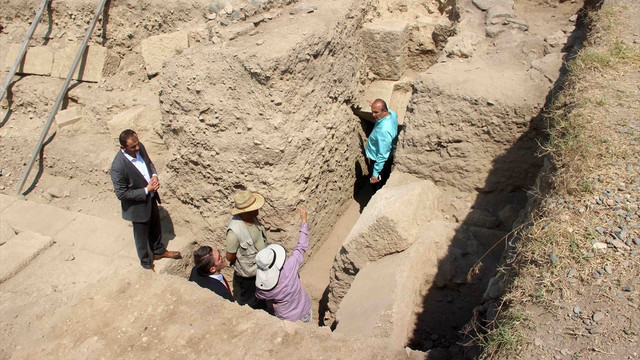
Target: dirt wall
x,y
271,117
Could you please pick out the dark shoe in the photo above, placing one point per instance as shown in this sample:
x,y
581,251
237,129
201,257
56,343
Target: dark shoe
x,y
168,254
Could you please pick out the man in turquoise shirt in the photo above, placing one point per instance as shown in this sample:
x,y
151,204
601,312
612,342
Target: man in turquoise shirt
x,y
380,143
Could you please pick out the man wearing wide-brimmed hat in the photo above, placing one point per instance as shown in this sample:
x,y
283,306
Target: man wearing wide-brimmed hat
x,y
245,237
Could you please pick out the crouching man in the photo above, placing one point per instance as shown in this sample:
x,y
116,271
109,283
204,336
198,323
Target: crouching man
x,y
278,282
206,272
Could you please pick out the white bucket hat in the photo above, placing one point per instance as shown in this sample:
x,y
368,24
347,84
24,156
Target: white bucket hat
x,y
269,261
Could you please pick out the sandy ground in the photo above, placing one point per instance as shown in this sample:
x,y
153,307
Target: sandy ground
x,y
90,301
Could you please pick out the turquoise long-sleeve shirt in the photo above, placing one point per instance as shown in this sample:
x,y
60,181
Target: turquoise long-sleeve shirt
x,y
380,142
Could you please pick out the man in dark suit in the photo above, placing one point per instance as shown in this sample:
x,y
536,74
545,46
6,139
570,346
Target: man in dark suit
x,y
206,272
136,184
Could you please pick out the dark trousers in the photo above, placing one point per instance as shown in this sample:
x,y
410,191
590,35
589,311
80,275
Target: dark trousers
x,y
244,291
385,173
148,237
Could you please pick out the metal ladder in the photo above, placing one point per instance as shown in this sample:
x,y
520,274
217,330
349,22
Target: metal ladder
x,y
23,48
65,85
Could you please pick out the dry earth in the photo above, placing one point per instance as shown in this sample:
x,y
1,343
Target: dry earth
x,y
265,94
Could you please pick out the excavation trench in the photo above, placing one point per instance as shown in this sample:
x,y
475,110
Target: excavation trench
x,y
267,102
275,112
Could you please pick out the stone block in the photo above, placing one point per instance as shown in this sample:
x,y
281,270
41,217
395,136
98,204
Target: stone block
x,y
18,251
90,66
385,44
389,224
398,282
37,60
391,219
43,219
68,117
157,48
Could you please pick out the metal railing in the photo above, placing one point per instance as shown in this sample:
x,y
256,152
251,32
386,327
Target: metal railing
x,y
23,48
63,91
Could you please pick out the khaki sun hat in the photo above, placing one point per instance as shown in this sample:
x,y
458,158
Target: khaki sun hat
x,y
246,201
269,261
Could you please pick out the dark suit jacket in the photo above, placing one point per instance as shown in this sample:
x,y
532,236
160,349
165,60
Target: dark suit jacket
x,y
129,184
209,283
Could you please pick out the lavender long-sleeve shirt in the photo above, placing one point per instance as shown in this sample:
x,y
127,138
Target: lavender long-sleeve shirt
x,y
290,300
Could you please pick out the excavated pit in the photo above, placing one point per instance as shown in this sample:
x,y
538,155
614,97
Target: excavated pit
x,y
274,99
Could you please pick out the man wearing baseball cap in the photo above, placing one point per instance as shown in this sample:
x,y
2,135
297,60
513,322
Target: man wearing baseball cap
x,y
278,281
245,237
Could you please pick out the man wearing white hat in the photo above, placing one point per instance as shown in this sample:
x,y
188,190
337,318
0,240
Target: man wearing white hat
x,y
278,281
245,237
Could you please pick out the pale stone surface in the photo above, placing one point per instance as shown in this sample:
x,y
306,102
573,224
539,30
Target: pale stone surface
x,y
156,49
6,232
445,109
89,68
383,297
389,224
68,116
18,251
45,220
385,43
549,66
37,60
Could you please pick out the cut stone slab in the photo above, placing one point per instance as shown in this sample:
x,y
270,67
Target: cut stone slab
x,y
68,117
396,280
42,219
157,48
6,201
385,42
37,60
18,252
89,68
389,224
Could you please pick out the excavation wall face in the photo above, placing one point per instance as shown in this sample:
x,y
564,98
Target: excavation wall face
x,y
270,113
461,140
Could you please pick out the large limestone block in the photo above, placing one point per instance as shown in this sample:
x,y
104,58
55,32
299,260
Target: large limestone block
x,y
385,42
37,60
40,218
391,219
157,48
18,251
89,68
389,224
385,296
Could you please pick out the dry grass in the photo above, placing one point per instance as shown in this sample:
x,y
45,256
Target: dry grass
x,y
585,157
